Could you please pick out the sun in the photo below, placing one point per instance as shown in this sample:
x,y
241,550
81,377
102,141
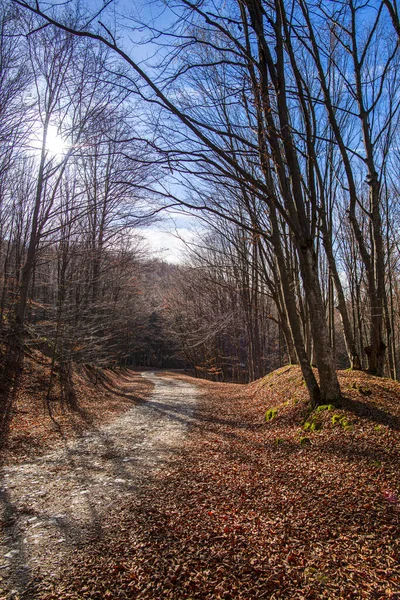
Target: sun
x,y
55,145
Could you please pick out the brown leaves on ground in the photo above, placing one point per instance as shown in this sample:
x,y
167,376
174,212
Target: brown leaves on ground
x,y
99,396
251,510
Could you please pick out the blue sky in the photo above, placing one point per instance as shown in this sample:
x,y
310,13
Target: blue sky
x,y
163,237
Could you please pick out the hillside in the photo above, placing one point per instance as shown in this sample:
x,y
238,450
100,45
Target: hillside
x,y
260,509
287,512
94,393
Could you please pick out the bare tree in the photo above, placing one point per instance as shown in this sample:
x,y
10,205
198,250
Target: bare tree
x,y
243,126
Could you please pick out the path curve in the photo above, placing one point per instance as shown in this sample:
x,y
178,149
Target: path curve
x,y
61,500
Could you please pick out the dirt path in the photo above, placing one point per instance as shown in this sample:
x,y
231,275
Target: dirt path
x,y
61,500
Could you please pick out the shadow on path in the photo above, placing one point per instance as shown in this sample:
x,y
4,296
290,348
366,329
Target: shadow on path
x,y
61,501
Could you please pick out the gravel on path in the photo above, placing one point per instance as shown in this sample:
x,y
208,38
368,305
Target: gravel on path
x,y
60,501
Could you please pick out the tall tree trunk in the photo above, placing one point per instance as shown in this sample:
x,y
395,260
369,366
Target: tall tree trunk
x,y
351,347
29,263
329,385
293,318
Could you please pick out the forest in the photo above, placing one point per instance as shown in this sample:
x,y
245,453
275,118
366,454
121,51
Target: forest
x,y
276,124
225,427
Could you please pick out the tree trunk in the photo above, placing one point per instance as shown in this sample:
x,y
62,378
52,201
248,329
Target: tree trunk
x,y
351,347
293,318
329,385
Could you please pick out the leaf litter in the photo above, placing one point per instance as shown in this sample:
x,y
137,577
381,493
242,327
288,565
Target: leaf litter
x,y
245,510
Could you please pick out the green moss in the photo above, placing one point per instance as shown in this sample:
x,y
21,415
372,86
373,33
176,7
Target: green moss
x,y
305,441
342,421
271,414
313,424
324,407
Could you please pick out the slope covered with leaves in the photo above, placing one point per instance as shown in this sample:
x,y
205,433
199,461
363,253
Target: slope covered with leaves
x,y
254,509
94,396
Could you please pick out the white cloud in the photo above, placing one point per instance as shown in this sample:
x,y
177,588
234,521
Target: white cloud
x,y
168,245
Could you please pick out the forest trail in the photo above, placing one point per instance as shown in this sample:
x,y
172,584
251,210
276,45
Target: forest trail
x,y
60,501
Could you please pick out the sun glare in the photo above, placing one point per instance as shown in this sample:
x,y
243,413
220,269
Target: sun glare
x,y
54,143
